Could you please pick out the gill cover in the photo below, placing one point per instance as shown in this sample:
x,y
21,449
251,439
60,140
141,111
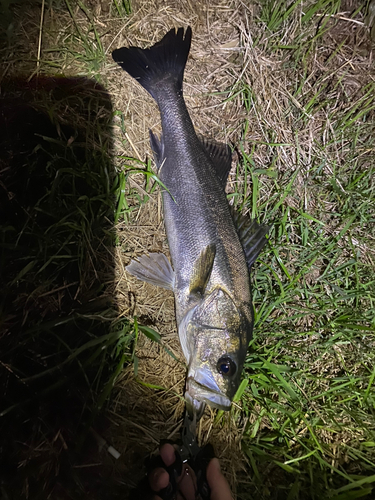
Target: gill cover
x,y
217,335
217,312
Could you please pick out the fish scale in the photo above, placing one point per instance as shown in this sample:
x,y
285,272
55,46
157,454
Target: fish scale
x,y
211,257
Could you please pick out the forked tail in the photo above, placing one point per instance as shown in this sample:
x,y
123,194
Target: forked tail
x,y
160,65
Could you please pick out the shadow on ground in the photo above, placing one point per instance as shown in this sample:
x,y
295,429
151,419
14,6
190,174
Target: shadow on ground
x,y
61,345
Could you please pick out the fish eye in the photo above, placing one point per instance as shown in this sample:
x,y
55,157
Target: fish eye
x,y
226,366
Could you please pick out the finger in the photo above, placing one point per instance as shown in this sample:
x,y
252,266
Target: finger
x,y
218,484
167,454
187,483
158,479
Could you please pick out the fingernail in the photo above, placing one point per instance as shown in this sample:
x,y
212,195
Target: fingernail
x,y
158,479
157,474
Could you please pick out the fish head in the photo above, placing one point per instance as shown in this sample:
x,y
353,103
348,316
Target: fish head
x,y
215,339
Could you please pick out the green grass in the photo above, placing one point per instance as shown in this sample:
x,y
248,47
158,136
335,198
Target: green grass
x,y
63,342
310,371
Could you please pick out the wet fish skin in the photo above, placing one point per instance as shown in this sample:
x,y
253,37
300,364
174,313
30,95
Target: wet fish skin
x,y
210,275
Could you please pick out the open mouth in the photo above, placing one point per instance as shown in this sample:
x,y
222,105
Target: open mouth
x,y
207,393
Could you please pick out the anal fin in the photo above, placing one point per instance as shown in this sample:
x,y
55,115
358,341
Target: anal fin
x,y
153,268
157,146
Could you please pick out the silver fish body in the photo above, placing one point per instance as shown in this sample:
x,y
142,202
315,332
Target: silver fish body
x,y
211,257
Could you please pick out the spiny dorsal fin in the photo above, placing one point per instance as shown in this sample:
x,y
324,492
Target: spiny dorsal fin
x,y
154,268
202,270
252,236
221,156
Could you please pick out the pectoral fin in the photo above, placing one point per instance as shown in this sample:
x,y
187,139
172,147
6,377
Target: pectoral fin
x,y
252,236
154,268
202,270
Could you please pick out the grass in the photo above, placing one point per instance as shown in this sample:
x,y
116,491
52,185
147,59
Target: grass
x,y
63,343
305,148
310,370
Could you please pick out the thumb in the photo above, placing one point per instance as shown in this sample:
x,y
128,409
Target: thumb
x,y
219,485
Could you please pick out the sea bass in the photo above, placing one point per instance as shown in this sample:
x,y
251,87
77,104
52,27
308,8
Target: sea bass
x,y
211,249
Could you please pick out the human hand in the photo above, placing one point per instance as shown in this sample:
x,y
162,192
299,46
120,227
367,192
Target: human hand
x,y
186,483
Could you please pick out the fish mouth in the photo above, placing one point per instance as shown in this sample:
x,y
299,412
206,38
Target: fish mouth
x,y
198,392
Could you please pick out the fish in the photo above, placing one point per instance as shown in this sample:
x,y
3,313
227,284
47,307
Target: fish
x,y
212,248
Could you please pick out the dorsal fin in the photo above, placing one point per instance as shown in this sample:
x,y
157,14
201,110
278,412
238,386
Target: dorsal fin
x,y
202,270
252,236
221,156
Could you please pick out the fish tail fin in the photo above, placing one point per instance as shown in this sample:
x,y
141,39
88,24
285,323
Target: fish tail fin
x,y
163,63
